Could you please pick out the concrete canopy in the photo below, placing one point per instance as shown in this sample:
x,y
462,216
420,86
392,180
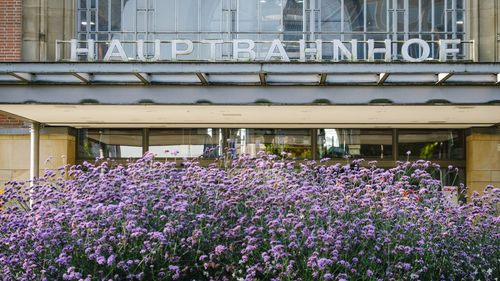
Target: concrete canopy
x,y
201,94
254,116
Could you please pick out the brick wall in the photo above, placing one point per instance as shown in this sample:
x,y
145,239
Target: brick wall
x,y
10,30
10,122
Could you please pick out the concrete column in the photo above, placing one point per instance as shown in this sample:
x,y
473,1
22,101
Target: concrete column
x,y
34,155
34,151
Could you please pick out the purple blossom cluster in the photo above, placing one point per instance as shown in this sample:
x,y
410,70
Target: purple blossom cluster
x,y
265,218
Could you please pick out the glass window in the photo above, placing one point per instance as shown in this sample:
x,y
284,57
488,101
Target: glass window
x,y
358,143
439,12
248,16
432,144
355,14
414,22
293,19
188,15
186,142
142,4
270,11
452,177
376,15
165,22
113,143
103,16
288,20
331,16
251,141
116,15
83,21
211,15
142,21
427,16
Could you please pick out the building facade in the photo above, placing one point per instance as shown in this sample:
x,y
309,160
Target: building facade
x,y
368,79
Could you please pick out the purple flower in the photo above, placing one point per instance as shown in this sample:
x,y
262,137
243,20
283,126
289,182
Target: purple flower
x,y
219,250
173,268
323,262
111,260
244,216
101,260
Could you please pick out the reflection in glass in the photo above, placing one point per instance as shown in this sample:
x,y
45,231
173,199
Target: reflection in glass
x,y
116,15
83,21
358,143
211,15
186,142
427,16
248,16
297,142
376,15
293,19
270,11
188,21
166,21
413,16
439,11
452,177
288,20
355,14
293,25
331,17
431,144
103,16
113,143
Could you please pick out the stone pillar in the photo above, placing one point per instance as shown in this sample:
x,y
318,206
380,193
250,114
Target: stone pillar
x,y
44,22
483,23
483,158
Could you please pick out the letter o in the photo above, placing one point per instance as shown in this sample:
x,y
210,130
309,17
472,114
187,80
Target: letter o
x,y
426,50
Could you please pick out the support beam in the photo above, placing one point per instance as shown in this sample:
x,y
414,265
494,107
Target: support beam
x,y
322,80
382,77
145,140
262,77
144,77
34,154
84,77
24,77
314,141
202,77
442,77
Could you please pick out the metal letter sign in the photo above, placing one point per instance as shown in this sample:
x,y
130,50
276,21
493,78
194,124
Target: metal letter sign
x,y
244,50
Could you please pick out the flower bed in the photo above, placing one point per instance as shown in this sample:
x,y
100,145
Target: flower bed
x,y
259,219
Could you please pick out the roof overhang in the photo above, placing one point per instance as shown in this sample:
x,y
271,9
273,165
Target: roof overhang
x,y
199,94
256,73
256,116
